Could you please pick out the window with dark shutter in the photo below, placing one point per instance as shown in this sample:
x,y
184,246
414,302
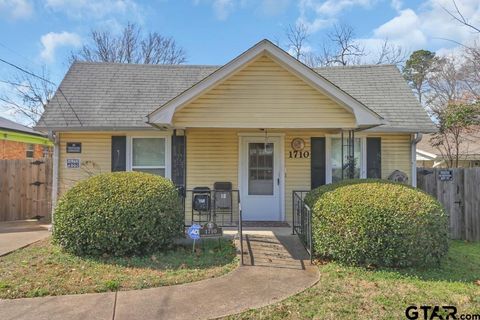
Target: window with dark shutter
x,y
317,163
119,155
374,158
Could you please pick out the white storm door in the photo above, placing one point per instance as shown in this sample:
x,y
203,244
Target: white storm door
x,y
260,174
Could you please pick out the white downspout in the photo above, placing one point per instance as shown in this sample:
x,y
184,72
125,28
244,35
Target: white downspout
x,y
416,138
56,152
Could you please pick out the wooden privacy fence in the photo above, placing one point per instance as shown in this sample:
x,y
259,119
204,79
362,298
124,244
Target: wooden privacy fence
x,y
459,191
25,189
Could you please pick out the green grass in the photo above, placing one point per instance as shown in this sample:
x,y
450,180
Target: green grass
x,y
44,269
358,293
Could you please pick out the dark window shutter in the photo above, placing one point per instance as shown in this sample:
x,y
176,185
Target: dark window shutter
x,y
119,153
178,160
317,163
374,158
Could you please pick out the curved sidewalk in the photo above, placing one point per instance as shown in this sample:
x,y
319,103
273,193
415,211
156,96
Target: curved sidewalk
x,y
277,274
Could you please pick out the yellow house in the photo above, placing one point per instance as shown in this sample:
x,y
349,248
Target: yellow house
x,y
264,122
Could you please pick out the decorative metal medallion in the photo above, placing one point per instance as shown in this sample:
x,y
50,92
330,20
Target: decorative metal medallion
x,y
298,144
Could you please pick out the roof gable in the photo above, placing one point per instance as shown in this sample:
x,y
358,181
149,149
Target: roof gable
x,y
364,116
263,94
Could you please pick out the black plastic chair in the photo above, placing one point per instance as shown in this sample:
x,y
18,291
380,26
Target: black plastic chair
x,y
222,200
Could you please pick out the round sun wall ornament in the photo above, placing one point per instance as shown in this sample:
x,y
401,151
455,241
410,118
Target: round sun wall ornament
x,y
298,144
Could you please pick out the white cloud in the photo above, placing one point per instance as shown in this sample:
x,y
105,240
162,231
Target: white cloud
x,y
430,26
223,8
16,9
316,14
274,7
93,8
396,4
51,41
404,28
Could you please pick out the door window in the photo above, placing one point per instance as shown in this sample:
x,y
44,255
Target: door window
x,y
260,168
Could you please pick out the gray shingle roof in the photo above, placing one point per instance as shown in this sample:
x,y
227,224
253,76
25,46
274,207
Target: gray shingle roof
x,y
109,95
13,126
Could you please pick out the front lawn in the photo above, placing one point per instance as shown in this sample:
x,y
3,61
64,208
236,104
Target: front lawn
x,y
44,269
358,293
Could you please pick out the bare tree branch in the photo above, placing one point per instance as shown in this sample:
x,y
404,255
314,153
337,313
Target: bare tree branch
x,y
458,16
28,95
391,54
131,46
297,36
344,49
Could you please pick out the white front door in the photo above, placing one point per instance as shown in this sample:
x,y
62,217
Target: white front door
x,y
260,178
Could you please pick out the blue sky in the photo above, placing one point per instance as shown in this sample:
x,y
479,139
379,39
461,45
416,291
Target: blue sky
x,y
41,33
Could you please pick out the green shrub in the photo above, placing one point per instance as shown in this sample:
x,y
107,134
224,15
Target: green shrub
x,y
121,213
379,223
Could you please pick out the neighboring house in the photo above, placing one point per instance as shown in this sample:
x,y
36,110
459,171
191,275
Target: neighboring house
x,y
19,142
264,122
431,157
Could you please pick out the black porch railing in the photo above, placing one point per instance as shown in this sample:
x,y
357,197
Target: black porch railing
x,y
219,206
302,221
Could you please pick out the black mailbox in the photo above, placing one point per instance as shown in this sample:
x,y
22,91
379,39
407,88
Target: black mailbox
x,y
201,199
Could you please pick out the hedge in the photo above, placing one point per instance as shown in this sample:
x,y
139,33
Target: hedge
x,y
378,223
121,213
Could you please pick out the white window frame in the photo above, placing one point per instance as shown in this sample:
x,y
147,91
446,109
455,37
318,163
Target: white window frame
x,y
27,150
328,156
168,154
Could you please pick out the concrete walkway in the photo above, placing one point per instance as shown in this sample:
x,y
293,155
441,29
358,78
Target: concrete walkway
x,y
276,270
18,234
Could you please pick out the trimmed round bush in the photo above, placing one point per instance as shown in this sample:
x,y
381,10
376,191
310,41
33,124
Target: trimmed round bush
x,y
377,223
121,213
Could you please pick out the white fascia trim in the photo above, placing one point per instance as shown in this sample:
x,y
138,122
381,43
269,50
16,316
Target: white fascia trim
x,y
363,115
426,155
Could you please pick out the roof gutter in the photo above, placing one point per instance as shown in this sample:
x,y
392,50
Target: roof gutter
x,y
24,137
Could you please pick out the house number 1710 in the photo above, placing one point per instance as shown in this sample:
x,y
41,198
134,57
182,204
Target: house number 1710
x,y
294,154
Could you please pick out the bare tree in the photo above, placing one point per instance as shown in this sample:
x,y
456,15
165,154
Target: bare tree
x,y
472,70
131,46
457,122
457,15
27,95
446,84
297,36
344,49
391,54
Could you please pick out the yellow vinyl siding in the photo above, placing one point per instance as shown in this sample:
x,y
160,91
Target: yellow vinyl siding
x,y
95,157
396,155
263,95
297,171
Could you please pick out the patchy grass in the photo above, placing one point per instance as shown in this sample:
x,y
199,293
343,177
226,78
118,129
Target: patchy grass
x,y
44,269
358,293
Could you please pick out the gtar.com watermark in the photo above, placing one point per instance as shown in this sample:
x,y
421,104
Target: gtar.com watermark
x,y
437,313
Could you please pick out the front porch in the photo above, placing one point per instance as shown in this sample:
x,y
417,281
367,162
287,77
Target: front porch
x,y
259,171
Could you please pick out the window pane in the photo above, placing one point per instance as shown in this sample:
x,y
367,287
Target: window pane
x,y
148,152
337,159
260,169
158,172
